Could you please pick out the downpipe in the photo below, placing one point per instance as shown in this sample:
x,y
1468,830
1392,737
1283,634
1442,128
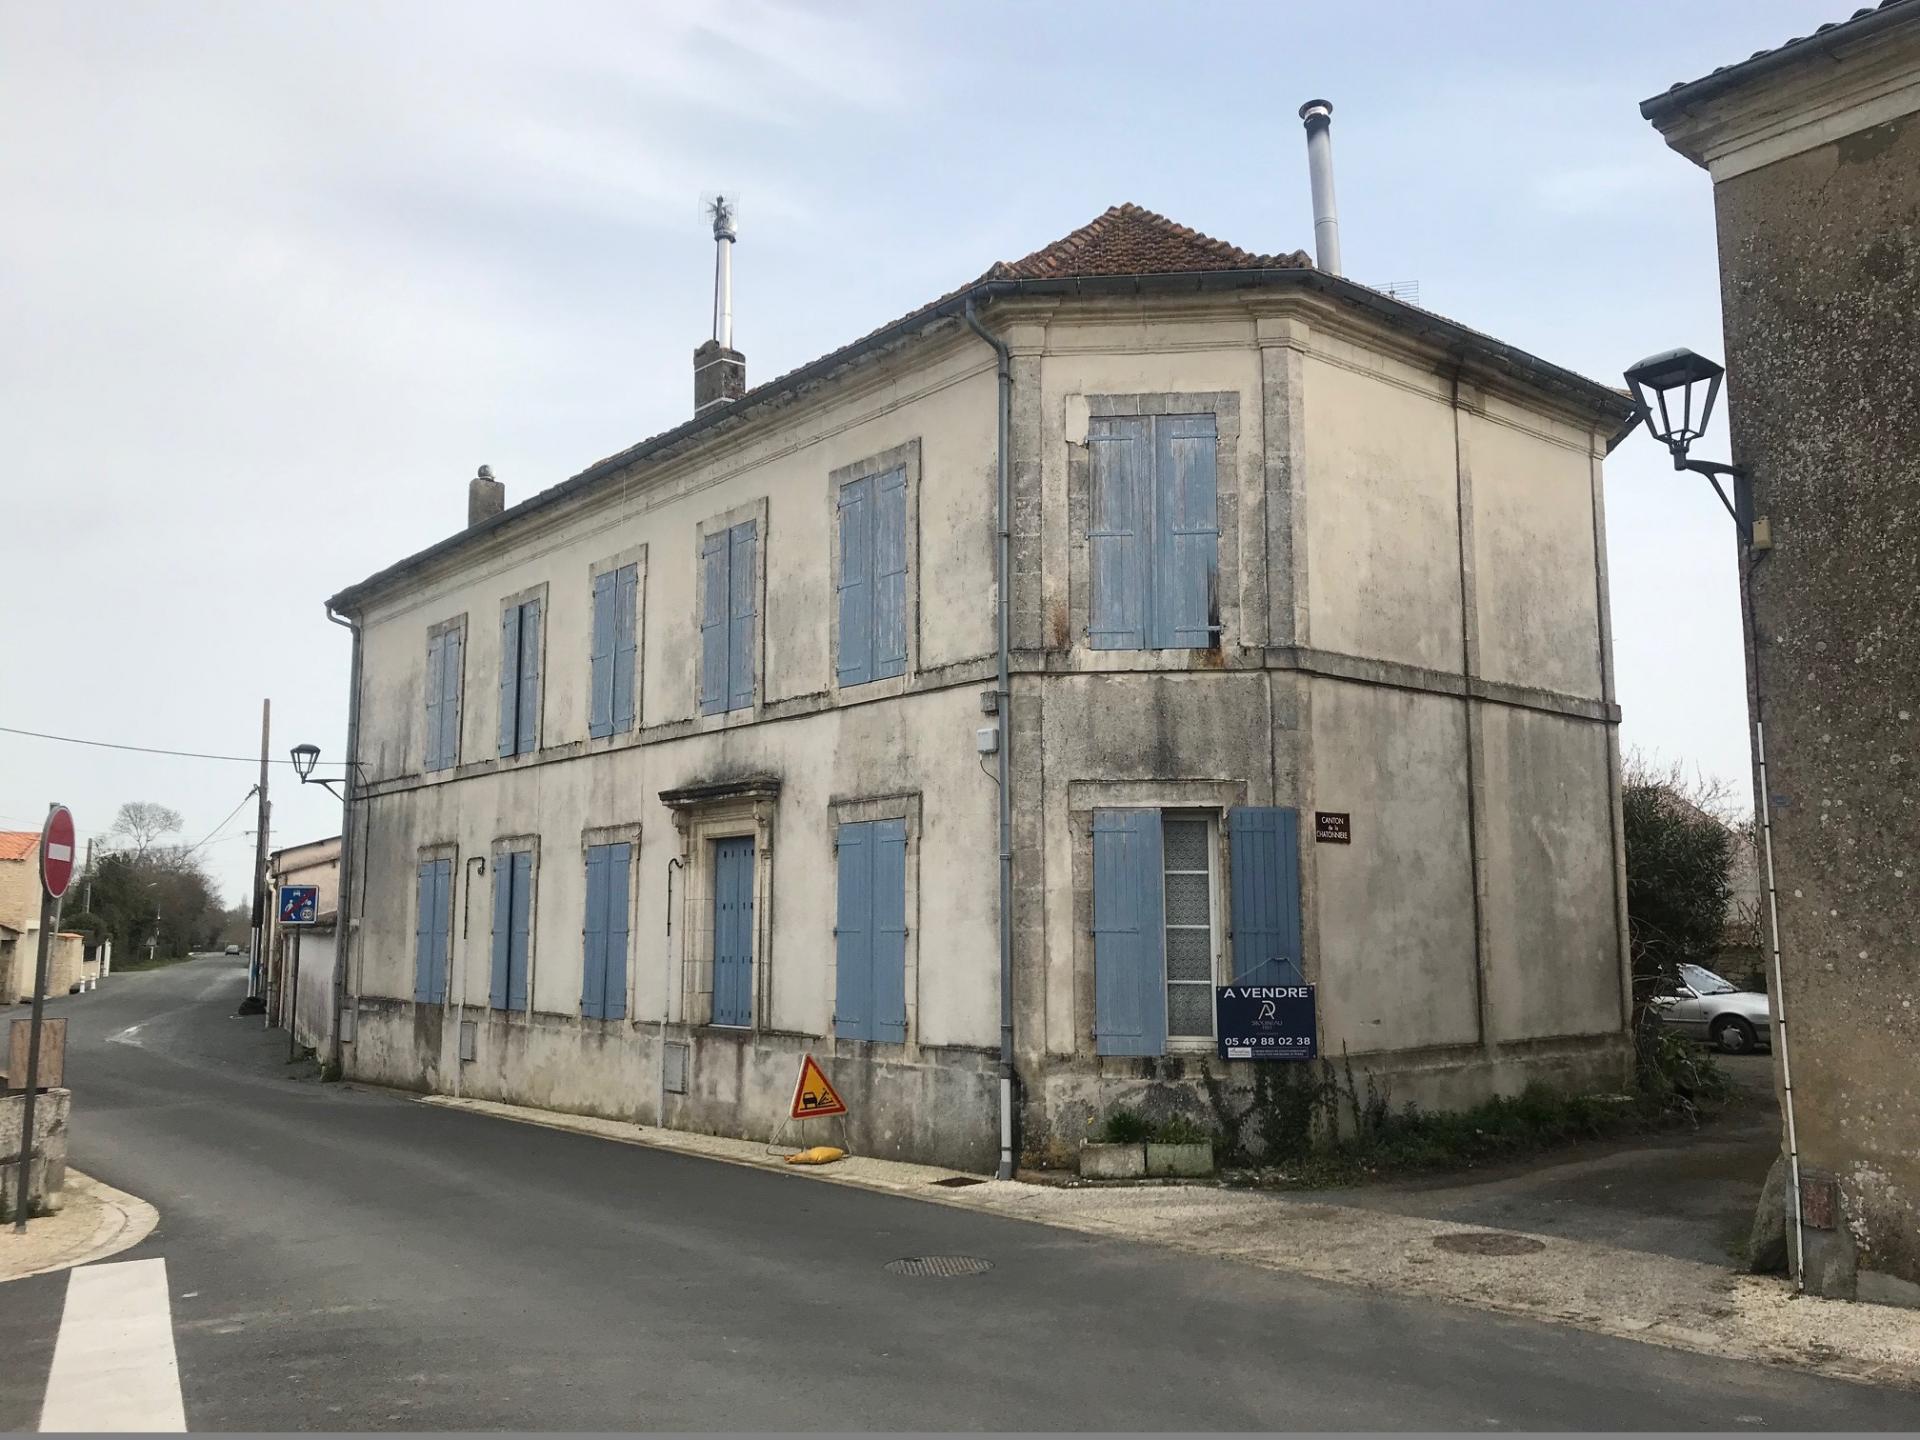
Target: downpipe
x,y
343,943
1003,705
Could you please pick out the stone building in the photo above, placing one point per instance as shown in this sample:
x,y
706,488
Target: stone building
x,y
685,767
297,995
1814,150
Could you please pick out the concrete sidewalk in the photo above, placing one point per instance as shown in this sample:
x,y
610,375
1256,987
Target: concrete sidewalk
x,y
1631,1293
93,1222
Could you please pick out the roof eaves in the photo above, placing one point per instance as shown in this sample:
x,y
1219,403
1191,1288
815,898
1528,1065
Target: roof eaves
x,y
1449,334
1861,25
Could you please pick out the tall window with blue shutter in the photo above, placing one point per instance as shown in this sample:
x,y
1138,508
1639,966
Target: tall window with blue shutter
x,y
1153,532
615,644
512,928
442,751
1154,918
872,583
603,984
733,931
433,930
729,591
870,932
520,678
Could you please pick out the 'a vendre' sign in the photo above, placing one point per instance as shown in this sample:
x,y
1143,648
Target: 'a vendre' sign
x,y
1266,1022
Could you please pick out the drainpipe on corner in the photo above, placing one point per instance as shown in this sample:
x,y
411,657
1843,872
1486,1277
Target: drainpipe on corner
x,y
343,926
1003,706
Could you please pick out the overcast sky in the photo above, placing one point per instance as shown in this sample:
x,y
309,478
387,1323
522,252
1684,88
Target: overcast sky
x,y
274,279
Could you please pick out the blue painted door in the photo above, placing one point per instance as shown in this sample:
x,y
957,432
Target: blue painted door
x,y
733,931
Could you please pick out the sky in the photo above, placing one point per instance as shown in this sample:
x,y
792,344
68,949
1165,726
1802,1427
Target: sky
x,y
275,279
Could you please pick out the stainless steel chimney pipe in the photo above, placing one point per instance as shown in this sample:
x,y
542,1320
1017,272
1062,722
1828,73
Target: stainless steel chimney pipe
x,y
1318,116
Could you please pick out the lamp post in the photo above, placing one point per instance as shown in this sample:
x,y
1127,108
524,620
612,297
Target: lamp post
x,y
305,757
1673,392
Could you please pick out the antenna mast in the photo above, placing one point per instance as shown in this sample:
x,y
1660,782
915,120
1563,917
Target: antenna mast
x,y
724,234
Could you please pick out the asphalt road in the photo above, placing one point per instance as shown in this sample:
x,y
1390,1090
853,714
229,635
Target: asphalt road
x,y
345,1259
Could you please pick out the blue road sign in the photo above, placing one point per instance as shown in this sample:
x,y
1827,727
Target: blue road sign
x,y
299,904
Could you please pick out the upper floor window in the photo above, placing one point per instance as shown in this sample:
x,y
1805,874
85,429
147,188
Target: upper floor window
x,y
872,583
520,674
446,644
1153,532
615,644
729,596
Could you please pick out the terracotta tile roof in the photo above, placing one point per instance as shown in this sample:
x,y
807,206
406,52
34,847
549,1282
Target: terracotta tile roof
x,y
19,844
1723,75
1128,240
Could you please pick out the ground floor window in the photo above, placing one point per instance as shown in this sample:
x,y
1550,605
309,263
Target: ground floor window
x,y
433,928
603,972
512,928
733,930
1186,843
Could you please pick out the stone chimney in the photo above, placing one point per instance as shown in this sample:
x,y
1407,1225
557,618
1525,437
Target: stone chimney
x,y
486,497
719,375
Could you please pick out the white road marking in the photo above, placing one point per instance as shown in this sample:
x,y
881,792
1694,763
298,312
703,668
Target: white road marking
x,y
114,1365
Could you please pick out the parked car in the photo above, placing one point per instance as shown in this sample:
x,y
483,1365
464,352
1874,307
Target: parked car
x,y
1712,1008
233,949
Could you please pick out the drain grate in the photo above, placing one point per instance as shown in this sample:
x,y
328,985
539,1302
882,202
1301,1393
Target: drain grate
x,y
1479,1242
955,1182
939,1267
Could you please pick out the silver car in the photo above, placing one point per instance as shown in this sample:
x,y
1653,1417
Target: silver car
x,y
1711,1008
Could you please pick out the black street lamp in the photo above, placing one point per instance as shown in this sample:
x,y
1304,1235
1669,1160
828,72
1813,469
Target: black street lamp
x,y
305,757
1674,393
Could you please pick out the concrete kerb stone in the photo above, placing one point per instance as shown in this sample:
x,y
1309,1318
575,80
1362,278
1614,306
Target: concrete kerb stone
x,y
95,1221
1629,1294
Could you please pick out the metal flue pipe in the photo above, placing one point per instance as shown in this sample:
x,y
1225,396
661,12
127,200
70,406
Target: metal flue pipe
x,y
1318,117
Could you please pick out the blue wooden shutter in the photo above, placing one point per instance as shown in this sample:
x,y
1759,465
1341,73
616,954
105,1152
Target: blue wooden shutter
x,y
509,677
1186,533
517,951
451,644
601,655
442,928
502,929
593,967
1119,531
715,551
853,934
854,665
613,1000
527,735
733,932
741,612
1264,862
626,644
890,575
436,689
889,930
423,935
1130,1001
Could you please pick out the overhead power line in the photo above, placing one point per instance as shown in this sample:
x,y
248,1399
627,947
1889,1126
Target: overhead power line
x,y
140,749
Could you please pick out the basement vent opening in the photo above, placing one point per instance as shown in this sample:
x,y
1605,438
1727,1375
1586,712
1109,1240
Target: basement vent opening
x,y
939,1267
673,1067
955,1182
1482,1242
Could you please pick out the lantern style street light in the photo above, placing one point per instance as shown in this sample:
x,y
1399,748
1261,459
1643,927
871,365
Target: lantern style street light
x,y
305,757
1674,393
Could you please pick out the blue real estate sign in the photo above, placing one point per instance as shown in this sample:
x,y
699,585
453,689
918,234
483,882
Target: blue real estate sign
x,y
1266,1022
299,904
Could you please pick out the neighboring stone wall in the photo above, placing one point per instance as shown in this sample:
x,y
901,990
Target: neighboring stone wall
x,y
1820,257
49,1150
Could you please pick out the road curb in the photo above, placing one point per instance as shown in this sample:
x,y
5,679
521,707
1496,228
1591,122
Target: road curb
x,y
119,1221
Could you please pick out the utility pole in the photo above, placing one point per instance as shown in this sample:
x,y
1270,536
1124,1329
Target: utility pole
x,y
255,1003
86,898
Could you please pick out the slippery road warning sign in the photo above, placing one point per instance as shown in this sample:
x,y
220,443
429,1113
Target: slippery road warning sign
x,y
814,1095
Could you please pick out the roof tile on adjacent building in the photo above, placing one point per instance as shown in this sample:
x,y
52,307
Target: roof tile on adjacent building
x,y
1129,240
1773,54
19,844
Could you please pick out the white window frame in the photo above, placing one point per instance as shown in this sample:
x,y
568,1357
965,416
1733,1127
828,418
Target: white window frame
x,y
1216,895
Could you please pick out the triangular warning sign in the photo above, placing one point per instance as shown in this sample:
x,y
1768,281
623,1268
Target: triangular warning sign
x,y
814,1095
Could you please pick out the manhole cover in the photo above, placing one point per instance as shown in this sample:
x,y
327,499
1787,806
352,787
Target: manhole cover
x,y
1479,1242
954,1182
939,1267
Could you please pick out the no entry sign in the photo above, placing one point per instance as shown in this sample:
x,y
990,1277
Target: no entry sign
x,y
56,851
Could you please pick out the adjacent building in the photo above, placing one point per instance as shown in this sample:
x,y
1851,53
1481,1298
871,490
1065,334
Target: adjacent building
x,y
686,766
300,958
1814,150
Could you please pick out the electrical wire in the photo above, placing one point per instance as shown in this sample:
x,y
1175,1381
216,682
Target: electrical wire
x,y
141,749
252,790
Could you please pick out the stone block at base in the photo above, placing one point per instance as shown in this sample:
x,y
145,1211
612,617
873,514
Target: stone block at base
x,y
1113,1162
1186,1159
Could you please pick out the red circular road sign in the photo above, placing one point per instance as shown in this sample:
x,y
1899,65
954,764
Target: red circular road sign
x,y
56,851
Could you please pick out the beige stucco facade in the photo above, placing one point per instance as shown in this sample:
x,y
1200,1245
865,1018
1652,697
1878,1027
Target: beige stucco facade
x,y
1412,613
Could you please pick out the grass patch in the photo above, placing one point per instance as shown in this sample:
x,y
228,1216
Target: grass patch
x,y
159,962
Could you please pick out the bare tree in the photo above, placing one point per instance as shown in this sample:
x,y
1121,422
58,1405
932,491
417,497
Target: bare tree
x,y
144,823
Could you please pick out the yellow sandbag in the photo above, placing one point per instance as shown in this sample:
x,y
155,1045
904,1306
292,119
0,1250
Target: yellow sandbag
x,y
818,1155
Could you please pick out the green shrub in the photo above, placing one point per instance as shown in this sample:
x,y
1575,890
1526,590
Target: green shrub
x,y
1125,1127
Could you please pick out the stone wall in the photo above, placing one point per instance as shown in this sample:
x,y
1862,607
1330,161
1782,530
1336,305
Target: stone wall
x,y
49,1150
